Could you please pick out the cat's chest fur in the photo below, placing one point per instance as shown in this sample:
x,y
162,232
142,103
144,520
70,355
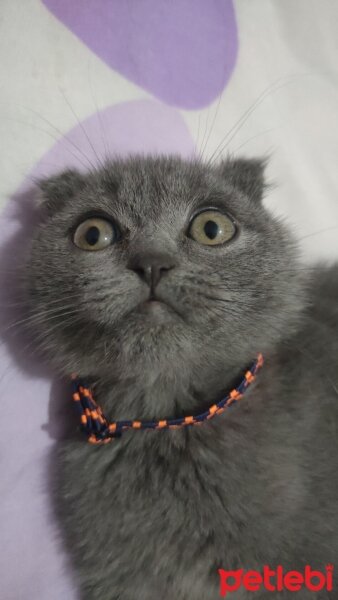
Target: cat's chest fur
x,y
174,506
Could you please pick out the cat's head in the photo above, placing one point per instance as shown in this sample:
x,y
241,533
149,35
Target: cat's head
x,y
159,265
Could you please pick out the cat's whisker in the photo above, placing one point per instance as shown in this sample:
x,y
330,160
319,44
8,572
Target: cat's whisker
x,y
196,151
205,131
319,232
204,149
254,137
98,113
41,317
82,127
64,136
271,89
35,346
242,119
54,137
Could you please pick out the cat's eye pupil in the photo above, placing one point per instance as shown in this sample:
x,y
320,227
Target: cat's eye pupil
x,y
211,229
92,236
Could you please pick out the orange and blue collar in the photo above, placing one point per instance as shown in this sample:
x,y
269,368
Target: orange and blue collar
x,y
99,431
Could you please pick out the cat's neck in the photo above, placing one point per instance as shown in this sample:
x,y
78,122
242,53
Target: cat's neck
x,y
166,395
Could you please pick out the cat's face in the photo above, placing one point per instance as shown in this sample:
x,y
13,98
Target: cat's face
x,y
156,264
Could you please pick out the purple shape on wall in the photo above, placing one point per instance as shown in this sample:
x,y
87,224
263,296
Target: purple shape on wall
x,y
181,52
32,563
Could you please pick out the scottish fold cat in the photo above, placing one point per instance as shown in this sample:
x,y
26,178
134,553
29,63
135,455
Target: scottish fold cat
x,y
160,280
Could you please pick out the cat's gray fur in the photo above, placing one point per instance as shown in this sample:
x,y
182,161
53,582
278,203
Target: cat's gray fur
x,y
153,515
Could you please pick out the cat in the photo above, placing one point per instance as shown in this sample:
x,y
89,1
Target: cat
x,y
160,280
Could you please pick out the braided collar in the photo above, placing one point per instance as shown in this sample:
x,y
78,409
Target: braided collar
x,y
99,431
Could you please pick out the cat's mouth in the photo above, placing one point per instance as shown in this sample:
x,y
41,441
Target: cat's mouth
x,y
159,310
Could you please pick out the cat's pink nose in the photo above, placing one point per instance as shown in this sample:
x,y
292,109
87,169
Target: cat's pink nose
x,y
150,267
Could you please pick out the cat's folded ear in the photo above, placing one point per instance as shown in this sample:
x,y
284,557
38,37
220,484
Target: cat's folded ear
x,y
246,175
59,188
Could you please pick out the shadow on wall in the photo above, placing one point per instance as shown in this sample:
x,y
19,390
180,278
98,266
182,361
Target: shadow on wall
x,y
15,332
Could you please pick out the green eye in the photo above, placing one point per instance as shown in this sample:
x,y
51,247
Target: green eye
x,y
212,228
94,234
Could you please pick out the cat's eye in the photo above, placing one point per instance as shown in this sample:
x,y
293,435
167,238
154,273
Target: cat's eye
x,y
212,228
94,234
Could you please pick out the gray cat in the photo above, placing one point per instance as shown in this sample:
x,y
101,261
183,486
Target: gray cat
x,y
160,280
